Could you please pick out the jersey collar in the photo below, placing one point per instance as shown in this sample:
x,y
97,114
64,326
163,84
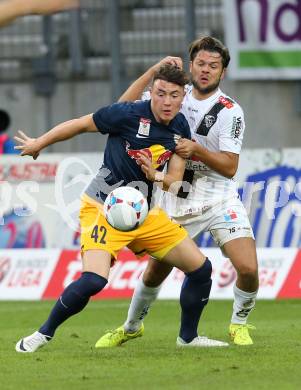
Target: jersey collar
x,y
211,98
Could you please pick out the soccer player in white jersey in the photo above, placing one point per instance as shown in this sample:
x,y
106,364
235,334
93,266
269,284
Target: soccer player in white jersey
x,y
210,200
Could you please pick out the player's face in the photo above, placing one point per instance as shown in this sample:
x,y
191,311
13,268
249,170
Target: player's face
x,y
166,100
206,72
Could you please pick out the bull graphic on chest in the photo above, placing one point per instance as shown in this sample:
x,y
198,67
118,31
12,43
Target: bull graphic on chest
x,y
156,153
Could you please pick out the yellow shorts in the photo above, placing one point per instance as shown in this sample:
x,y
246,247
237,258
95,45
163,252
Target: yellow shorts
x,y
156,236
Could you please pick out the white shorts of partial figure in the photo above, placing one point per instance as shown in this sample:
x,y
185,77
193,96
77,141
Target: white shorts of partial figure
x,y
225,221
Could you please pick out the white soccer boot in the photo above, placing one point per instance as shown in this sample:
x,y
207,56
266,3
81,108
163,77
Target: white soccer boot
x,y
31,343
201,342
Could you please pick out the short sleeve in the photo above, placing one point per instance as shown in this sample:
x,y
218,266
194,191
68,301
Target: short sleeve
x,y
232,126
187,132
109,120
183,126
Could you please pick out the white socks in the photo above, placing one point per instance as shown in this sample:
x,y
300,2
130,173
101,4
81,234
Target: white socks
x,y
142,298
242,305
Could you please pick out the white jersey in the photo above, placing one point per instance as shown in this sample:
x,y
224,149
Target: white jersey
x,y
217,123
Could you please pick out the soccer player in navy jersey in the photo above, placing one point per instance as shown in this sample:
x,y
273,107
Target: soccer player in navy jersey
x,y
153,127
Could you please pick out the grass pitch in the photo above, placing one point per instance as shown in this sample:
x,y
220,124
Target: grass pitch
x,y
70,361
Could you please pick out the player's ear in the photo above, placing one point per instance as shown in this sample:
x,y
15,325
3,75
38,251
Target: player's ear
x,y
223,73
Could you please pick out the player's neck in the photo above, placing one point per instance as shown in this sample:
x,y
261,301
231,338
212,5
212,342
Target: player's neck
x,y
203,96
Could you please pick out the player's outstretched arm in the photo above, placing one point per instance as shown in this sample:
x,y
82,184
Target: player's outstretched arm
x,y
137,88
12,9
33,146
50,6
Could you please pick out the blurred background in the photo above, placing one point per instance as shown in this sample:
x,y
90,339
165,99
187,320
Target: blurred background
x,y
56,67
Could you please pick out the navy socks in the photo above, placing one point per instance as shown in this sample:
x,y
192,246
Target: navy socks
x,y
74,298
194,297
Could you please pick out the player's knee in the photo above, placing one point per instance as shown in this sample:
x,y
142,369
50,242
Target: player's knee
x,y
155,273
151,279
77,294
202,274
248,271
91,283
196,287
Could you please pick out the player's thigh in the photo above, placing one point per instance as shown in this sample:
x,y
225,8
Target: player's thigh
x,y
157,235
186,256
228,221
156,272
242,253
97,261
195,225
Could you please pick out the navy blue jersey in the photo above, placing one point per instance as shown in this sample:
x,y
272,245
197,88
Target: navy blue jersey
x,y
132,127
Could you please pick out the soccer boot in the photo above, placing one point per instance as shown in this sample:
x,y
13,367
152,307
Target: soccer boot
x,y
239,334
32,343
201,342
114,338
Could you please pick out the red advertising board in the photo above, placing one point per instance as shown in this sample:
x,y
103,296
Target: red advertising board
x,y
44,274
123,276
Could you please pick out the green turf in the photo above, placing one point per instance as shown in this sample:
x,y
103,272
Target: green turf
x,y
153,361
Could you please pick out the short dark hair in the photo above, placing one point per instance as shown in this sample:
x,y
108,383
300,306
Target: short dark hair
x,y
171,74
209,44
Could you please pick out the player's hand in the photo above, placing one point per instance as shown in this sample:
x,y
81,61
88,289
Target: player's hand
x,y
145,163
28,146
175,61
185,148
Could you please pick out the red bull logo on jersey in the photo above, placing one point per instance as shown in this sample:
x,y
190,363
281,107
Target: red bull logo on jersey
x,y
157,153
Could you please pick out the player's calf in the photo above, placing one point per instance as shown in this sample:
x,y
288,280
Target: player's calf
x,y
74,298
194,297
